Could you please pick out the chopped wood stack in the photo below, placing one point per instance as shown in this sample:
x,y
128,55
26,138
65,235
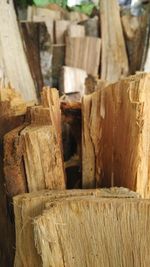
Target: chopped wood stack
x,y
28,206
115,137
33,153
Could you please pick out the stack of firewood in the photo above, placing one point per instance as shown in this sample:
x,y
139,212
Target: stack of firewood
x,y
114,152
50,144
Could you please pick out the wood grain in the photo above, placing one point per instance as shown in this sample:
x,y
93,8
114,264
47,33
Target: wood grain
x,y
87,231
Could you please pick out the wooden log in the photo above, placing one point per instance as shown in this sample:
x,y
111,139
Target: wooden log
x,y
76,31
61,27
72,80
115,135
31,34
114,57
106,225
80,53
12,54
135,32
29,206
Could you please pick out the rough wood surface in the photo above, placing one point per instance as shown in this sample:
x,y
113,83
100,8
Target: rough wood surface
x,y
33,153
12,54
135,32
114,57
116,124
94,232
29,206
80,53
72,80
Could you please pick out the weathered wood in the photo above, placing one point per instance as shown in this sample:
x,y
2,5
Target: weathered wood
x,y
116,123
61,27
80,53
135,32
31,35
72,80
85,231
29,206
114,57
12,54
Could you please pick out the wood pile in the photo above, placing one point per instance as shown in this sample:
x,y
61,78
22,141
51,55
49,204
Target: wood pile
x,y
89,135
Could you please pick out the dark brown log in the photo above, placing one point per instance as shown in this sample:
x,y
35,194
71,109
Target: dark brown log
x,y
31,36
